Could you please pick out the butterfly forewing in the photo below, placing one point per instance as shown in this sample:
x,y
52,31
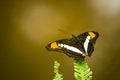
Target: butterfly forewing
x,y
70,47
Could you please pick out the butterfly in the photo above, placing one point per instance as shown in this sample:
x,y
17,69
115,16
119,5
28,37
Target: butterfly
x,y
76,47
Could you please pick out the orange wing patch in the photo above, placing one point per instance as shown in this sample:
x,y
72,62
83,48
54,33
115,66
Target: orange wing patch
x,y
92,35
54,45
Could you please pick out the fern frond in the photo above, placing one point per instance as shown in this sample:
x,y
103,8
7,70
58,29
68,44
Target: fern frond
x,y
81,70
58,76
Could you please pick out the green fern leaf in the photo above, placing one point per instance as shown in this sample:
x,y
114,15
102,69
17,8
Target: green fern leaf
x,y
58,76
81,70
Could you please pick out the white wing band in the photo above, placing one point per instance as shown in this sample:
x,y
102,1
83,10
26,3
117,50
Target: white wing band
x,y
86,43
70,48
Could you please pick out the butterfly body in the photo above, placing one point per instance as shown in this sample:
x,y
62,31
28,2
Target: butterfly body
x,y
77,46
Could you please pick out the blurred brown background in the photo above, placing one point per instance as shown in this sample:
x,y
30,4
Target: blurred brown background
x,y
29,25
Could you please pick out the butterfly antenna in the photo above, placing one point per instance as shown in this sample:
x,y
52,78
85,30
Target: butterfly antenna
x,y
66,32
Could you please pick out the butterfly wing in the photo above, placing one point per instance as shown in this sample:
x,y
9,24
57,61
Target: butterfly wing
x,y
54,46
88,39
76,47
68,46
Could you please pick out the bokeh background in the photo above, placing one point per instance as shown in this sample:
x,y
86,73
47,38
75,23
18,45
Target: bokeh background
x,y
29,25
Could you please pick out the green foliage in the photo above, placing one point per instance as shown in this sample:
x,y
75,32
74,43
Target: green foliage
x,y
81,70
58,76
